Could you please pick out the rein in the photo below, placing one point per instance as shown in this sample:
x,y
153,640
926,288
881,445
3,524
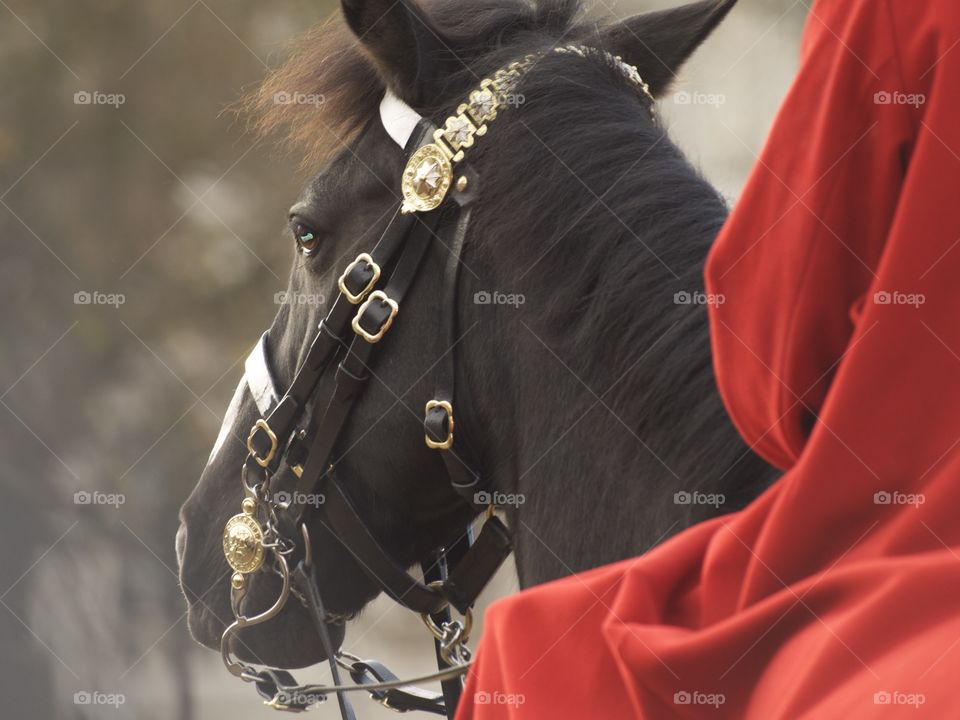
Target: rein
x,y
291,449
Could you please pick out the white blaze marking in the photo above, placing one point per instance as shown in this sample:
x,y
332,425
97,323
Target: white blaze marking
x,y
230,419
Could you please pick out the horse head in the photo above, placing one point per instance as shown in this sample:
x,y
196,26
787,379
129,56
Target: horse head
x,y
548,265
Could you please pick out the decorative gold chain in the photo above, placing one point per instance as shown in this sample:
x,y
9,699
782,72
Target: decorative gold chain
x,y
629,71
429,172
470,121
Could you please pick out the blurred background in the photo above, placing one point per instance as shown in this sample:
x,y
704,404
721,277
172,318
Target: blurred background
x,y
143,241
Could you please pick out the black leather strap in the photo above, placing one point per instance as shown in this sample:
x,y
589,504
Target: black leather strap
x,y
328,340
306,580
471,574
270,684
402,699
351,376
459,459
402,587
437,571
334,327
479,564
351,332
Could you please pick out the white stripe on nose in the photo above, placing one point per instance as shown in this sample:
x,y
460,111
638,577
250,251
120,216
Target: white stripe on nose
x,y
230,419
260,379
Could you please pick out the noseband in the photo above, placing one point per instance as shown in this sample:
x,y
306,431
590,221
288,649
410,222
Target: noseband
x,y
291,449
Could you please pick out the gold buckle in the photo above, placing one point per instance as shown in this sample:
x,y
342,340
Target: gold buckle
x,y
262,425
342,282
448,442
394,309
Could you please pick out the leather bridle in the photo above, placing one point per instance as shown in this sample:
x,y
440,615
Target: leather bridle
x,y
292,444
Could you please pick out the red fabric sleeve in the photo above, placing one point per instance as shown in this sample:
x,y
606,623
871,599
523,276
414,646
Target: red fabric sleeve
x,y
835,593
799,255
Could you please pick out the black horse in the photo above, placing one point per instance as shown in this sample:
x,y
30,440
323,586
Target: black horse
x,y
584,368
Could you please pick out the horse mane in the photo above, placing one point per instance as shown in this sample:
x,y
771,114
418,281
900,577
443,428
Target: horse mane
x,y
606,222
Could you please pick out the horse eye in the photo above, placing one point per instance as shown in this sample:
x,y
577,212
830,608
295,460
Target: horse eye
x,y
307,240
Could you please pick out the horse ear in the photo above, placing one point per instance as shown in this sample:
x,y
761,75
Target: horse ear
x,y
402,41
658,43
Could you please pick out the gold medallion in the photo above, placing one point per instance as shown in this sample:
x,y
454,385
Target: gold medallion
x,y
243,543
426,179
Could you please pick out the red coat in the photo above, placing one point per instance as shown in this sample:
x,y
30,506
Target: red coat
x,y
836,593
